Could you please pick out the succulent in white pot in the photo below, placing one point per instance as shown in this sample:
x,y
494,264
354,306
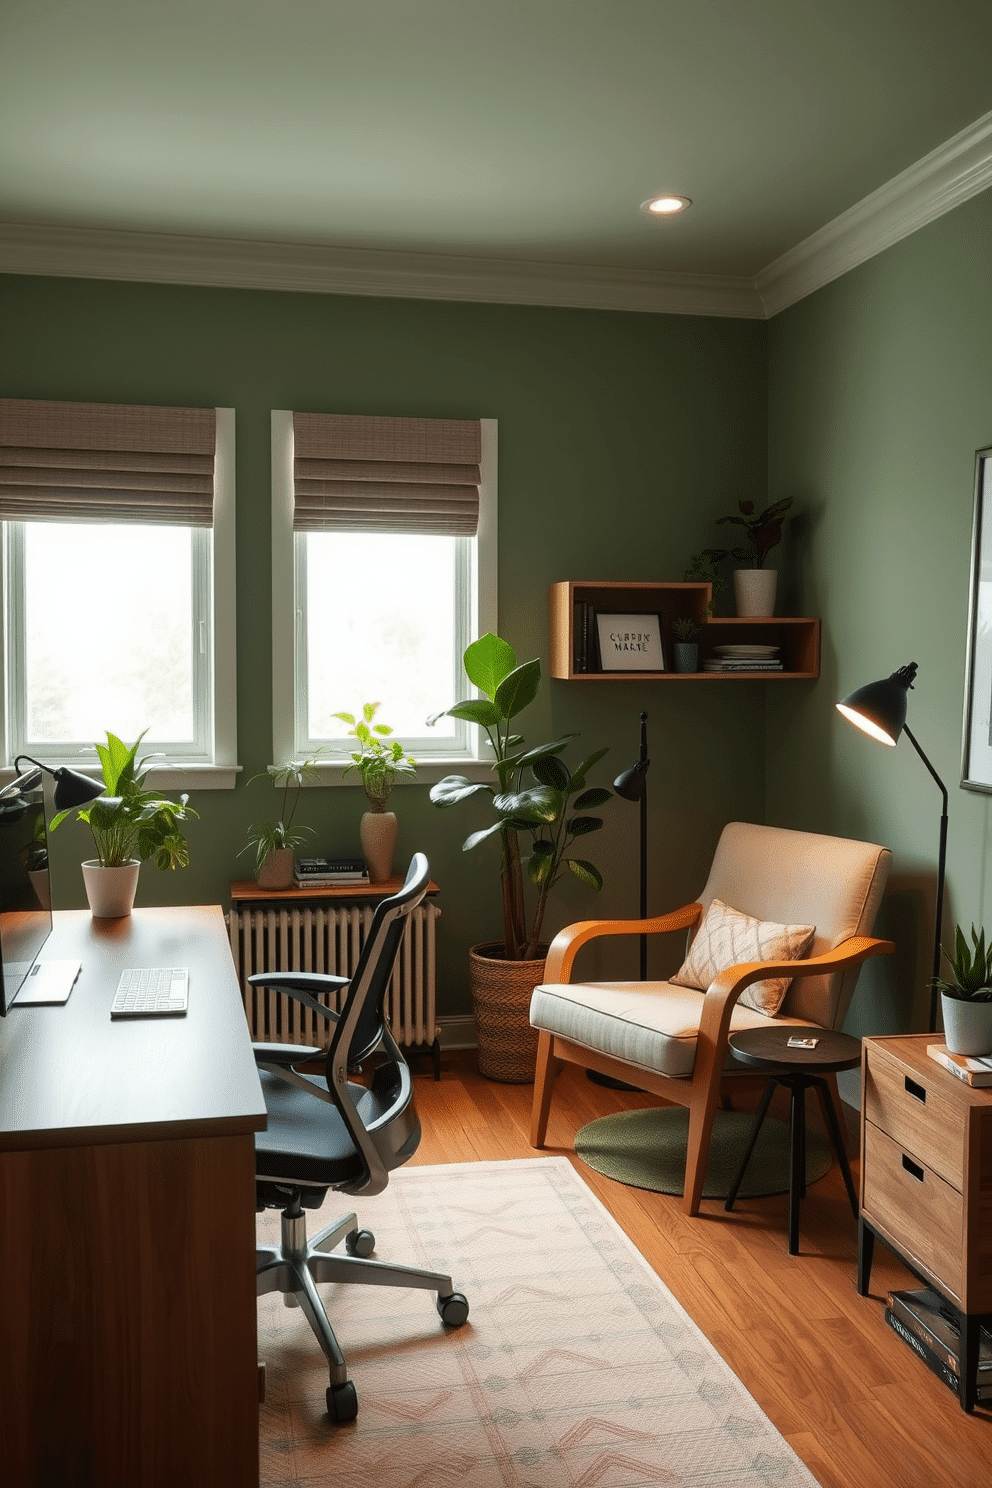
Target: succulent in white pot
x,y
966,996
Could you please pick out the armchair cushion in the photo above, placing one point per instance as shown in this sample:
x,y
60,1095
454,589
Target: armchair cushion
x,y
653,1025
727,937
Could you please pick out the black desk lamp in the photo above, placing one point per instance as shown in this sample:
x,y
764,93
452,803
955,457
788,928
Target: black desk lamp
x,y
71,788
632,785
879,709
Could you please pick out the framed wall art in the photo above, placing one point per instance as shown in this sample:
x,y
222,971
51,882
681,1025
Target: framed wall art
x,y
630,643
976,762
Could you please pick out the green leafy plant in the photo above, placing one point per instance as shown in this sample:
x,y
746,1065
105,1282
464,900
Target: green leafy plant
x,y
762,530
532,795
377,762
685,629
271,836
971,969
127,821
703,567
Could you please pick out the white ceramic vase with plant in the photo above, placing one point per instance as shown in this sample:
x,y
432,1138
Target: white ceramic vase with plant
x,y
129,825
276,842
378,760
754,584
966,996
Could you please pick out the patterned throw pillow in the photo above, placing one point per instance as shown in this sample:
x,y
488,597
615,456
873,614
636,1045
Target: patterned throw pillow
x,y
727,937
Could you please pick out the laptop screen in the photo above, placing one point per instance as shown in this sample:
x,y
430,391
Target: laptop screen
x,y
25,893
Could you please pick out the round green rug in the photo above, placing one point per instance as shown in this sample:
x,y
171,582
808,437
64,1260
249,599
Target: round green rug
x,y
646,1149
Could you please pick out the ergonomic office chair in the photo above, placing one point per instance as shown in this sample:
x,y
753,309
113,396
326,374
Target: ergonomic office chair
x,y
671,1037
332,1132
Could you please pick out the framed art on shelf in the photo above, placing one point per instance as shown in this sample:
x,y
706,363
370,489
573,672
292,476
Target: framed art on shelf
x,y
630,643
976,763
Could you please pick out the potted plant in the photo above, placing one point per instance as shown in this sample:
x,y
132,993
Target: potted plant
x,y
532,801
754,585
275,842
686,644
378,762
966,997
129,824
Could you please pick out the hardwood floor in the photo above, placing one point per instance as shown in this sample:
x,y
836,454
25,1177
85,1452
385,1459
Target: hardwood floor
x,y
849,1396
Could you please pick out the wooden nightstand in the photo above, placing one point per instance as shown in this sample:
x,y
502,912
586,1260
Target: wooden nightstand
x,y
926,1181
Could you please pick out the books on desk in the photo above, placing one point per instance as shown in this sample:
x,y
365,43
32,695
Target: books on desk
x,y
331,871
975,1071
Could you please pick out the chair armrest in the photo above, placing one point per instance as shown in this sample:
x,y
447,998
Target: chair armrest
x,y
568,942
287,1054
304,987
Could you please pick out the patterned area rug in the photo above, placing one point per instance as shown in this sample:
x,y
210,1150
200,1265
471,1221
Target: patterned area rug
x,y
577,1368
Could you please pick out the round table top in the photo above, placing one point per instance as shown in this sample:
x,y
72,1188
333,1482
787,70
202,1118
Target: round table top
x,y
762,1048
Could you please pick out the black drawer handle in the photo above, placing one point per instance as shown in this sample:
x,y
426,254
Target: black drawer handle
x,y
913,1169
918,1092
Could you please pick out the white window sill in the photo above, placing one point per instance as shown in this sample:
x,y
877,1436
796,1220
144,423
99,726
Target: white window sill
x,y
165,778
330,772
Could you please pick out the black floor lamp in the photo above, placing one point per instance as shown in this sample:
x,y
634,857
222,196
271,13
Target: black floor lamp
x,y
879,709
632,785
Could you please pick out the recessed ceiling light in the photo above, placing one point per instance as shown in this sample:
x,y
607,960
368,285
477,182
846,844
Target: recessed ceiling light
x,y
665,206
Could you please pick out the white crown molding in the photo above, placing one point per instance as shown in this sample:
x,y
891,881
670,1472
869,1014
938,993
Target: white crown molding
x,y
953,173
956,171
165,258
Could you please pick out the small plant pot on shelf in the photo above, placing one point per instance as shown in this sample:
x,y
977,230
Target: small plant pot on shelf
x,y
110,891
685,654
276,871
754,592
377,831
967,1026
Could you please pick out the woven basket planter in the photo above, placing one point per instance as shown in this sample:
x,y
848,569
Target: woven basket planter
x,y
501,993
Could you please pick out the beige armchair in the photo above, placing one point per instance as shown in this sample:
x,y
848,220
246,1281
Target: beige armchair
x,y
671,1039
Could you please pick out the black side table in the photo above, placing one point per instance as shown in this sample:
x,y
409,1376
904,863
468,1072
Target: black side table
x,y
798,1070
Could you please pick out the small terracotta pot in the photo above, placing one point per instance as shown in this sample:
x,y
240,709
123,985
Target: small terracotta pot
x,y
377,831
277,870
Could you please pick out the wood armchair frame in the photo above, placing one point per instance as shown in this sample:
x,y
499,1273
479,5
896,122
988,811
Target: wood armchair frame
x,y
701,1090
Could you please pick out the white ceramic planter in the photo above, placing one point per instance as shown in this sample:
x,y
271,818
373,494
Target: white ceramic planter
x,y
754,592
111,891
377,831
967,1025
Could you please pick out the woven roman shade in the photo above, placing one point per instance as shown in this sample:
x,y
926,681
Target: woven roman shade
x,y
106,462
358,473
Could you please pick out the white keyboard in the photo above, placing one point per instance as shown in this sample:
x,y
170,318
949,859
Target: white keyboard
x,y
151,992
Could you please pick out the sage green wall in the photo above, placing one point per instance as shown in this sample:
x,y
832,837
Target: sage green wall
x,y
879,396
620,438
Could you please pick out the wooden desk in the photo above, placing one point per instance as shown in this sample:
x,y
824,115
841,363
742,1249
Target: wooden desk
x,y
127,1304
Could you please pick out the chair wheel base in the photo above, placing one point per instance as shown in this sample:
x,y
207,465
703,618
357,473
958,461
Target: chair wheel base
x,y
453,1310
342,1402
360,1243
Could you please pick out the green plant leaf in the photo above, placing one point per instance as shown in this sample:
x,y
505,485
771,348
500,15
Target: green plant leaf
x,y
454,788
586,873
581,826
541,863
551,771
488,662
537,805
595,796
475,838
579,778
473,710
517,691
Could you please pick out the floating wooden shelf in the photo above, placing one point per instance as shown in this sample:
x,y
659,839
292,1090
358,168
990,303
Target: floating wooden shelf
x,y
798,637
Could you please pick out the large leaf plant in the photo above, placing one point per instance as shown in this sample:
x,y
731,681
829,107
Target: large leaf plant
x,y
533,795
128,821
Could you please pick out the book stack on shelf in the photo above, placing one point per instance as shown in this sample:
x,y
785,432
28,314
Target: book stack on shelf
x,y
973,1070
585,638
743,659
924,1321
331,871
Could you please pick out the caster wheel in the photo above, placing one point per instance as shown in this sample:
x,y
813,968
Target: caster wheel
x,y
453,1310
342,1402
360,1243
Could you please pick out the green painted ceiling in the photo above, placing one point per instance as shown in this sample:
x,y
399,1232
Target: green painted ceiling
x,y
523,129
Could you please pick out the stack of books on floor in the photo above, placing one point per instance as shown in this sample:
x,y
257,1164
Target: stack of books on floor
x,y
925,1321
743,659
331,871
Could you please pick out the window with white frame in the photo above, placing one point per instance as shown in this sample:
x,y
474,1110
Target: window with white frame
x,y
118,555
384,569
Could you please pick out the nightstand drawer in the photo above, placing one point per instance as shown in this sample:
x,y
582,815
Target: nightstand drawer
x,y
917,1112
913,1204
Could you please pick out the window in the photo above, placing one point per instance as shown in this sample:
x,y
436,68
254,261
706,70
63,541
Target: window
x,y
383,572
118,557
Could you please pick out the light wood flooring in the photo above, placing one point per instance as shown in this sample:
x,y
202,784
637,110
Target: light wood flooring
x,y
847,1394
